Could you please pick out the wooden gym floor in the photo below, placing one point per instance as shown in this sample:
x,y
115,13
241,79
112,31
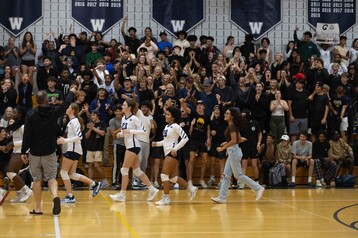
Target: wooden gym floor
x,y
281,213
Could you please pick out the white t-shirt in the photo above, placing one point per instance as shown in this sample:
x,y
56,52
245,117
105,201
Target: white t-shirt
x,y
135,127
147,123
74,136
171,134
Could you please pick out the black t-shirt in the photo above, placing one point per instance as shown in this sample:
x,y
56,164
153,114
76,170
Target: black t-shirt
x,y
299,103
250,132
219,125
95,142
146,95
133,44
200,127
159,118
186,121
318,106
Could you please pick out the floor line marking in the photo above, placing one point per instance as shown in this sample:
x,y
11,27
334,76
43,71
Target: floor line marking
x,y
57,227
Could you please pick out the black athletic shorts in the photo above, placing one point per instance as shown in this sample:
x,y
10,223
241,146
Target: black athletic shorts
x,y
135,150
157,152
72,155
28,63
248,152
214,153
184,152
198,146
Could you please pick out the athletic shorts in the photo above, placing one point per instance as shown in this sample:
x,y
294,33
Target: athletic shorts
x,y
184,152
249,153
72,155
134,150
300,124
170,155
28,63
94,156
43,167
214,153
301,163
198,146
157,152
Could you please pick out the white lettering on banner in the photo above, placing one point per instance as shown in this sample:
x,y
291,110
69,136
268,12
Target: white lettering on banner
x,y
16,22
177,25
97,24
255,27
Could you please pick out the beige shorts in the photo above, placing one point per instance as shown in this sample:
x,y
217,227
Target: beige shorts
x,y
94,156
43,167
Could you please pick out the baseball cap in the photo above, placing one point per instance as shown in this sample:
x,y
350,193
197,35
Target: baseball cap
x,y
95,112
285,137
319,83
200,102
163,33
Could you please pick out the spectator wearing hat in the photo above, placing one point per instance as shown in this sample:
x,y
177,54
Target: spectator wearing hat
x,y
306,47
131,39
45,72
182,42
342,50
175,55
164,41
93,55
103,105
88,86
189,93
210,48
224,94
126,92
208,97
319,108
298,107
284,155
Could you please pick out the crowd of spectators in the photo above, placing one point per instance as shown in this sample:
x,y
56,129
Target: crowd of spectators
x,y
296,97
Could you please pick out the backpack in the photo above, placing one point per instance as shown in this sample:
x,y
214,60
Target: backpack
x,y
346,181
277,175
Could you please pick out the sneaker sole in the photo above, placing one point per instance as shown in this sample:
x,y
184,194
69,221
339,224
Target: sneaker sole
x,y
56,206
216,201
96,191
24,199
153,196
115,199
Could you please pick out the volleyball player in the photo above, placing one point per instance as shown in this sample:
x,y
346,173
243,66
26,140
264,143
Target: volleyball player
x,y
233,162
171,134
72,155
131,127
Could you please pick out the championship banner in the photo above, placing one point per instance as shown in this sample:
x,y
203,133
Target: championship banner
x,y
17,15
175,16
342,12
97,15
256,17
327,33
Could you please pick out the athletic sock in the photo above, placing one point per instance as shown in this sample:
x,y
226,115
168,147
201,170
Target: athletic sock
x,y
293,179
310,179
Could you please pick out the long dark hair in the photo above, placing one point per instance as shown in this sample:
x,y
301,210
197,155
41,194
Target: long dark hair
x,y
23,44
238,120
175,112
20,120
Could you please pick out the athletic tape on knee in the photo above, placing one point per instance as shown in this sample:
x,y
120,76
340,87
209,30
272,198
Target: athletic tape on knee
x,y
64,175
75,176
11,175
124,171
137,172
174,179
164,177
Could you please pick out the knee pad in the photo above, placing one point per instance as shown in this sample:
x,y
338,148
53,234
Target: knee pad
x,y
75,176
11,175
64,175
137,172
174,179
164,177
124,171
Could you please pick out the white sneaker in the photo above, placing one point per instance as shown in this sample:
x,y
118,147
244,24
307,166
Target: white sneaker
x,y
211,182
17,198
176,186
259,193
119,197
156,184
105,183
25,194
318,184
164,201
323,183
2,193
241,186
218,200
203,184
152,193
192,191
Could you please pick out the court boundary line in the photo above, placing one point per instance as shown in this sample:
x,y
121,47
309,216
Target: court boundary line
x,y
57,227
121,218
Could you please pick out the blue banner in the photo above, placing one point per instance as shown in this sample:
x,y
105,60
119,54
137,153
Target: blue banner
x,y
97,15
256,17
17,15
175,16
342,12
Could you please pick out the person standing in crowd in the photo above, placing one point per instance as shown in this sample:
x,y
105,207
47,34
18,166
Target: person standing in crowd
x,y
233,163
40,135
27,53
131,127
170,144
70,158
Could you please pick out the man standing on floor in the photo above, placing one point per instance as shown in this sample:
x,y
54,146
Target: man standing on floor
x,y
40,142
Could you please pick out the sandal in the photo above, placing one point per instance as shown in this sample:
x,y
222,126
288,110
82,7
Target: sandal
x,y
33,212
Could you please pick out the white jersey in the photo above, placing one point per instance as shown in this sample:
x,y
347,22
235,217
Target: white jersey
x,y
171,134
74,136
147,123
17,139
135,127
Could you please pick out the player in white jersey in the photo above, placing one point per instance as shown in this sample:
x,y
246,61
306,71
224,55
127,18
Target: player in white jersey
x,y
16,128
131,127
72,155
171,134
